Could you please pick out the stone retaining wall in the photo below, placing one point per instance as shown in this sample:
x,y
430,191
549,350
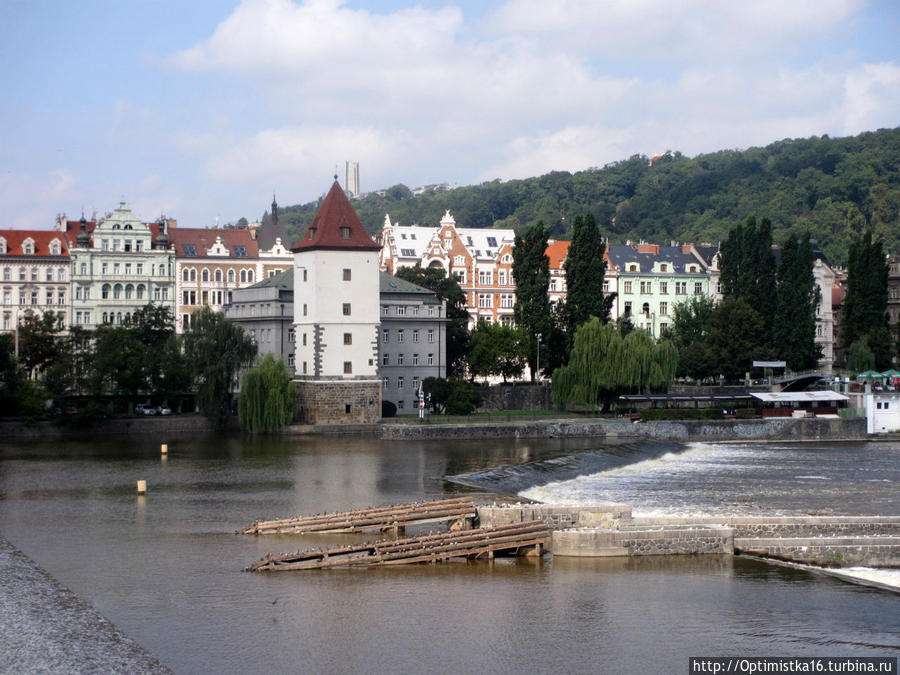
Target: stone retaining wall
x,y
827,551
588,543
159,426
555,517
791,526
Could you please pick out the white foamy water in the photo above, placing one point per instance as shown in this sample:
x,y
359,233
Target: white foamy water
x,y
882,576
708,479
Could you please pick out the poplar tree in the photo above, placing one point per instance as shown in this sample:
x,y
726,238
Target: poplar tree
x,y
794,327
531,269
865,304
585,269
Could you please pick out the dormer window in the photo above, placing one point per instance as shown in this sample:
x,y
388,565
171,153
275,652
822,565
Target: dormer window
x,y
345,233
312,233
54,247
664,268
28,247
2,246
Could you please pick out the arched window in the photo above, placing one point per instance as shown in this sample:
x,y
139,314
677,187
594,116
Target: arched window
x,y
193,274
105,317
117,293
230,276
185,274
204,275
218,276
129,292
249,276
104,293
140,292
119,318
127,316
243,276
646,309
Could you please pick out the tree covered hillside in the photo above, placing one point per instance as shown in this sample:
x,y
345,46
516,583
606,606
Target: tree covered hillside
x,y
833,187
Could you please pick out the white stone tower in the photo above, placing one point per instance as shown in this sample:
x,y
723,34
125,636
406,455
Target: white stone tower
x,y
336,317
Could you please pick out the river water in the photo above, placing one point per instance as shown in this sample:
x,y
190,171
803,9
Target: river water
x,y
166,568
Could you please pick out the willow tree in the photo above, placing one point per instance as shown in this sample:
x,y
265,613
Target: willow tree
x,y
603,365
268,398
216,349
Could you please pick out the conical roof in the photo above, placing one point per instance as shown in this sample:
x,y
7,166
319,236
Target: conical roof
x,y
336,227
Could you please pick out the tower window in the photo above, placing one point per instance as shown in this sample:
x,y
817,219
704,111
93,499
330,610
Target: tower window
x,y
348,338
347,275
345,233
346,309
348,367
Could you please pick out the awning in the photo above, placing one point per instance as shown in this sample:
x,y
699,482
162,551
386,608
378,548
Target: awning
x,y
798,396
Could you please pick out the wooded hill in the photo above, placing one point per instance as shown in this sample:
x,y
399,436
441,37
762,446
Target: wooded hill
x,y
833,187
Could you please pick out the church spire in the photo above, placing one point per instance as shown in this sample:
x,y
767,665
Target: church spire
x,y
274,209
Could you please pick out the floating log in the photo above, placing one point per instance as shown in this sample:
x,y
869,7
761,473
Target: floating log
x,y
530,538
458,511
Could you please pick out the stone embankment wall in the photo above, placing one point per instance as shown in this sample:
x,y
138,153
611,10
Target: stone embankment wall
x,y
826,551
628,541
790,526
785,428
555,517
515,397
159,426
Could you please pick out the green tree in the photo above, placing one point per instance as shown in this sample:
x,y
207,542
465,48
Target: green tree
x,y
531,269
865,303
463,398
735,337
748,270
603,365
119,364
10,375
690,322
217,350
437,391
794,326
37,341
268,399
585,269
860,358
447,289
497,350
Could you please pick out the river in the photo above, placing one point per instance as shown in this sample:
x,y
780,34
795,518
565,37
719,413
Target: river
x,y
167,568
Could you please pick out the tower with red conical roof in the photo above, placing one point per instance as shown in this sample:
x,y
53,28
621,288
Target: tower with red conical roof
x,y
336,317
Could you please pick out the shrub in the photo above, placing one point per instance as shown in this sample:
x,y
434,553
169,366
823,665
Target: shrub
x,y
388,409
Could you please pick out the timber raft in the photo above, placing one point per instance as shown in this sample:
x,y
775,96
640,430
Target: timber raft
x,y
458,512
529,538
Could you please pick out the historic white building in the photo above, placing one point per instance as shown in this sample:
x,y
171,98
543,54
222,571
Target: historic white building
x,y
34,268
336,316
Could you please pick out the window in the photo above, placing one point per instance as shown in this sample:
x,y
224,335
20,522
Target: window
x,y
291,360
415,383
400,382
34,274
431,334
218,276
204,298
627,308
104,292
627,288
507,300
240,251
348,367
140,291
663,308
304,275
408,252
49,299
189,249
386,382
291,335
646,288
401,310
680,288
348,338
231,276
458,260
304,367
664,287
399,403
304,309
400,359
345,232
415,361
204,275
606,285
485,277
485,300
49,274
663,267
34,297
415,335
400,335
460,276
430,360
698,288
60,297
304,339
21,297
385,336
646,309
492,242
345,309
6,274
501,278
385,359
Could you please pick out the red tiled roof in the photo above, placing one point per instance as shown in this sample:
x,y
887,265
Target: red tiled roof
x,y
336,226
204,238
73,227
556,252
42,239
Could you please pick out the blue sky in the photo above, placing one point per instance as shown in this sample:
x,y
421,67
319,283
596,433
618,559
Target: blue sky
x,y
201,110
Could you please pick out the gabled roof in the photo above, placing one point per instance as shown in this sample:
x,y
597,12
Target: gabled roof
x,y
42,238
390,284
199,240
556,252
336,227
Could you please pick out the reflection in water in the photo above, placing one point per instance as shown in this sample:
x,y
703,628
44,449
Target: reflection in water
x,y
167,569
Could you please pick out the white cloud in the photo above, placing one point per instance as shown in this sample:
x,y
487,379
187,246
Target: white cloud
x,y
872,97
34,199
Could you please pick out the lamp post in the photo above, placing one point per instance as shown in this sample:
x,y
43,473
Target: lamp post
x,y
538,368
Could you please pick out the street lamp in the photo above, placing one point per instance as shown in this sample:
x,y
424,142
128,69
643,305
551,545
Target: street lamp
x,y
538,368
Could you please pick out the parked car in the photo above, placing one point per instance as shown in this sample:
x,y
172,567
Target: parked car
x,y
144,409
163,410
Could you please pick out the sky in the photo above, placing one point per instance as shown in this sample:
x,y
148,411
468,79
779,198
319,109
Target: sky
x,y
203,110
